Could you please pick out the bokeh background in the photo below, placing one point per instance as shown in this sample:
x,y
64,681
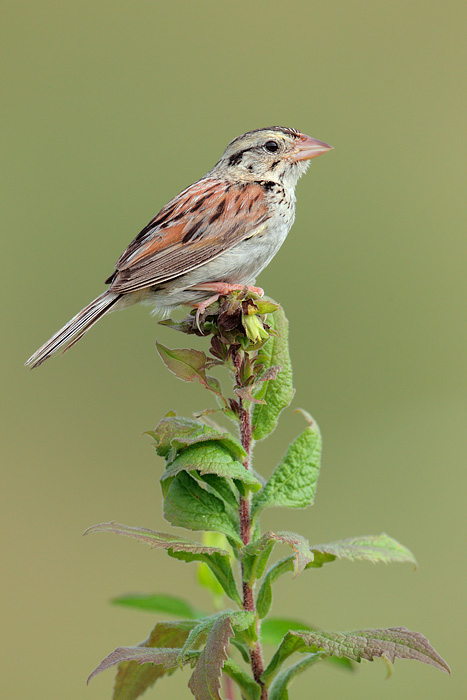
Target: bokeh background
x,y
111,108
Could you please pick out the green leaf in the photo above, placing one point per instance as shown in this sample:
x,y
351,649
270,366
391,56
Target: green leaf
x,y
183,549
273,629
187,504
219,564
167,658
159,602
255,554
225,490
133,678
279,688
211,457
188,365
248,687
156,540
174,433
205,681
293,482
266,306
374,548
393,643
283,566
277,393
264,599
240,621
204,575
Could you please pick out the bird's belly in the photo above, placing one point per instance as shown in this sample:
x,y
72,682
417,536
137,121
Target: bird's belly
x,y
238,265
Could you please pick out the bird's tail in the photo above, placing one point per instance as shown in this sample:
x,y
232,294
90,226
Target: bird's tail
x,y
75,328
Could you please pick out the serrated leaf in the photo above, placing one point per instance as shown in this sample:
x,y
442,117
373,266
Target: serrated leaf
x,y
135,676
197,634
167,658
279,687
254,555
183,549
174,433
188,364
211,457
187,504
277,393
240,621
375,548
156,540
392,643
248,687
293,483
159,602
206,678
283,566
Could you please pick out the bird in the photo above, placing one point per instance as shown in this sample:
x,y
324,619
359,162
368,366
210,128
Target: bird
x,y
214,237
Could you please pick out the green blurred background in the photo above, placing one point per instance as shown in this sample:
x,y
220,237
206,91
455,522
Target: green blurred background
x,y
111,108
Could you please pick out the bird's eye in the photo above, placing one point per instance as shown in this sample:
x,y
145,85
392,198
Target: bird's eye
x,y
271,146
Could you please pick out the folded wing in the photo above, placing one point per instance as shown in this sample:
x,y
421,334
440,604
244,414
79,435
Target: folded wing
x,y
200,224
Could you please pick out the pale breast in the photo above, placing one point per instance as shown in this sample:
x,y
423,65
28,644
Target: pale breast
x,y
243,262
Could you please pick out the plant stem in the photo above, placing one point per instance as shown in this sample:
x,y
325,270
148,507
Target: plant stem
x,y
256,654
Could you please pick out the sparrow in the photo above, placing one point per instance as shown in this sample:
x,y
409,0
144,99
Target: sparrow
x,y
214,237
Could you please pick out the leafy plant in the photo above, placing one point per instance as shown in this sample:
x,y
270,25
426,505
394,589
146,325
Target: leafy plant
x,y
209,485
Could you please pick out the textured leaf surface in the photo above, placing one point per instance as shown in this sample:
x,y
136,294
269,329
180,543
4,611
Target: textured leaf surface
x,y
274,629
279,687
254,555
156,540
218,560
211,457
392,643
135,676
293,483
174,433
206,678
279,392
375,548
167,658
187,504
159,602
239,620
186,364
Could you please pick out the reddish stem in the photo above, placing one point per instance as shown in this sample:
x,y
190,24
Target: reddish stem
x,y
256,654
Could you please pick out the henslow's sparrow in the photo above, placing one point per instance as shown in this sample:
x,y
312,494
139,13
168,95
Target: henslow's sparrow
x,y
215,236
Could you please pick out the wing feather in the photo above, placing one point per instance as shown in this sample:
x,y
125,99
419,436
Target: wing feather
x,y
200,224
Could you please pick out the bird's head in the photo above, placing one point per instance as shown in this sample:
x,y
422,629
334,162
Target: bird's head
x,y
277,154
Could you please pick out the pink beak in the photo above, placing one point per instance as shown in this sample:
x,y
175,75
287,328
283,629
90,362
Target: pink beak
x,y
309,148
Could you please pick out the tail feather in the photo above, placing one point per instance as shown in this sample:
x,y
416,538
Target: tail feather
x,y
75,328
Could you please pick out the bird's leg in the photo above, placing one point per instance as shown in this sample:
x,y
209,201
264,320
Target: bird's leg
x,y
221,288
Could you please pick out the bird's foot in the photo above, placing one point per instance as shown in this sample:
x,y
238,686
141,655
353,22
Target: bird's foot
x,y
202,306
220,288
